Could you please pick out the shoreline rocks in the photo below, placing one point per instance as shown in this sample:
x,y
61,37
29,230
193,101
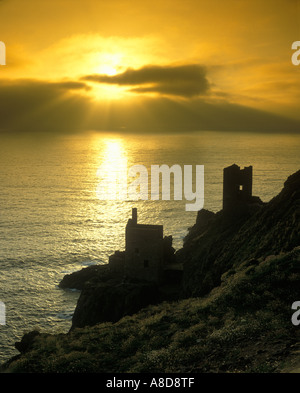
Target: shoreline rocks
x,y
241,275
107,296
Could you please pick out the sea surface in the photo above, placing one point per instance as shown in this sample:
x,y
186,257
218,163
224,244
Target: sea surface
x,y
53,223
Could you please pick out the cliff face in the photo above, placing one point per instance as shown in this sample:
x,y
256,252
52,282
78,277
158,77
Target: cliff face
x,y
108,300
216,244
112,300
246,261
243,325
107,295
220,242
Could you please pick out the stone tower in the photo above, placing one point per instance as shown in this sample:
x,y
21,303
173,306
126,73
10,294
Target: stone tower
x,y
144,250
237,186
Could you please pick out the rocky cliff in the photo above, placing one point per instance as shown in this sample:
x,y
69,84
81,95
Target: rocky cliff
x,y
245,262
220,242
243,325
107,295
216,244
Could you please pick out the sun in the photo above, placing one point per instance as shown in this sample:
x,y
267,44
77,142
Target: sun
x,y
107,69
107,64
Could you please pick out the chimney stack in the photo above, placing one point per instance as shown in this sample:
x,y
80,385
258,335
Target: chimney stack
x,y
134,215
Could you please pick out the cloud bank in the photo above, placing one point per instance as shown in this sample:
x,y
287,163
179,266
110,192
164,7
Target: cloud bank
x,y
184,81
40,106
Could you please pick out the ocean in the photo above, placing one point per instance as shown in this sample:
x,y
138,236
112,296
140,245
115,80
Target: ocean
x,y
52,222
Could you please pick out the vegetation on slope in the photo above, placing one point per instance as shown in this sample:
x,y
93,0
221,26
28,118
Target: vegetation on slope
x,y
244,325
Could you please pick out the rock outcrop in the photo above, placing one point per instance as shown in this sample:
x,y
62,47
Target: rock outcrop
x,y
112,300
107,295
216,244
108,298
219,242
245,261
79,279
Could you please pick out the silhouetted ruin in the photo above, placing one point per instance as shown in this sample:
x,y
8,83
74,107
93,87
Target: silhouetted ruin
x,y
148,255
144,250
237,186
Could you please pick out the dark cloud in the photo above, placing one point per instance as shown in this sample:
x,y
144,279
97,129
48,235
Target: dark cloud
x,y
185,80
163,115
29,105
69,85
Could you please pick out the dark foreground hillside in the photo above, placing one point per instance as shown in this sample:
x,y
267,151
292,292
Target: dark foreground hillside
x,y
240,321
243,325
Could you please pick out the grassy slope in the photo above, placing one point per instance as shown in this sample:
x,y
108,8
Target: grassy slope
x,y
228,241
242,326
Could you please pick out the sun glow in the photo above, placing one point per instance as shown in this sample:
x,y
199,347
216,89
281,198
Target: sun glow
x,y
108,63
113,168
106,92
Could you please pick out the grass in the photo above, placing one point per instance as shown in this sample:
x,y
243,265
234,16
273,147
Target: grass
x,y
243,325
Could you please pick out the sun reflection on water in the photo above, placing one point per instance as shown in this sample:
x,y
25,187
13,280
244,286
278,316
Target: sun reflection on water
x,y
112,172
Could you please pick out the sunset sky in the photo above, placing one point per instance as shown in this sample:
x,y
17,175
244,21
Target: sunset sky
x,y
149,66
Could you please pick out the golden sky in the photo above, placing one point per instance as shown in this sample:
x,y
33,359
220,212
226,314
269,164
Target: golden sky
x,y
148,66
